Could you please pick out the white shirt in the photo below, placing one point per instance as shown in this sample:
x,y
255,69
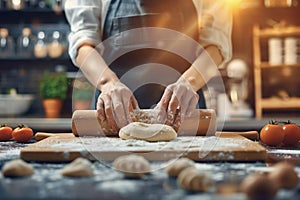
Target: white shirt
x,y
86,19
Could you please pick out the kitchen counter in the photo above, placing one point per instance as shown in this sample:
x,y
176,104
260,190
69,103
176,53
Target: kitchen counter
x,y
64,124
47,182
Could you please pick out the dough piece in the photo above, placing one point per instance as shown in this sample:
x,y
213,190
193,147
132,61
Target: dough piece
x,y
78,168
148,132
176,166
259,186
132,166
285,175
193,180
17,168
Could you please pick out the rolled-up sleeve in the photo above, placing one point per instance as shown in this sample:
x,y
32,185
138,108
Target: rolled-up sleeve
x,y
215,25
84,17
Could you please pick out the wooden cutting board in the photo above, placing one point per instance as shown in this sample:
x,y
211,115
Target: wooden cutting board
x,y
223,147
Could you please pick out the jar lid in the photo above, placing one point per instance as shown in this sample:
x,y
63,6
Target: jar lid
x,y
26,31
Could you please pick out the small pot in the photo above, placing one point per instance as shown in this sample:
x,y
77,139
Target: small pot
x,y
52,107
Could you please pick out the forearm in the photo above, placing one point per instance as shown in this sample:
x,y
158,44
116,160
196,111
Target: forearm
x,y
204,67
94,67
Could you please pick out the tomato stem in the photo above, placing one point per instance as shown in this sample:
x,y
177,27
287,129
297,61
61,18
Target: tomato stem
x,y
22,126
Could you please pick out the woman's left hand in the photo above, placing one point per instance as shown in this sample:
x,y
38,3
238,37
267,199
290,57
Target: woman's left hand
x,y
178,101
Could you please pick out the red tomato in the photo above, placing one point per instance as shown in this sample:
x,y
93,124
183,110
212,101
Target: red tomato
x,y
272,134
5,133
291,134
22,134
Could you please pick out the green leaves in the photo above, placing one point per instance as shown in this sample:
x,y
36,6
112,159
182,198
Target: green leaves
x,y
53,85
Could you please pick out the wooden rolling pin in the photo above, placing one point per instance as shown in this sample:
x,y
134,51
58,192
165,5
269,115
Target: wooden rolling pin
x,y
86,123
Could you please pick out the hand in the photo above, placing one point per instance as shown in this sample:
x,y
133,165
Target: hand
x,y
179,100
115,105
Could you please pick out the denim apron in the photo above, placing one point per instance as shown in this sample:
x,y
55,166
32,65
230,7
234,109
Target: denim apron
x,y
123,15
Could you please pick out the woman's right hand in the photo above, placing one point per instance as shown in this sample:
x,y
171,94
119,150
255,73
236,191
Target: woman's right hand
x,y
115,106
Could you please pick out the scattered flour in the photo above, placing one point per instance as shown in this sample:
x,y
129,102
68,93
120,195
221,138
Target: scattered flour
x,y
119,186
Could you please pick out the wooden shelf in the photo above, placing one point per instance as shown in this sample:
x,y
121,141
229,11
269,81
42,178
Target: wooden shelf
x,y
278,32
259,65
275,103
267,65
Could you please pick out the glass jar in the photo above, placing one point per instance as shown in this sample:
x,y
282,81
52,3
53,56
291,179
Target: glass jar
x,y
15,4
6,44
56,47
25,44
279,3
40,47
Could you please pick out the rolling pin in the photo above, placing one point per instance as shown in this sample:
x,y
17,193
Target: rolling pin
x,y
201,122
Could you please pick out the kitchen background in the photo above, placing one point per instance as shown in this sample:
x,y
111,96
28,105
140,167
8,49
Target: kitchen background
x,y
260,81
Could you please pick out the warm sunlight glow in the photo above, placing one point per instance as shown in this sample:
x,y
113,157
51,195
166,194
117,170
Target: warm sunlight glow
x,y
234,4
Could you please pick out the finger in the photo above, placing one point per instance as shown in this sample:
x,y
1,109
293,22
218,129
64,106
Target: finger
x,y
177,121
165,99
133,106
128,107
109,113
175,102
172,108
119,110
134,103
162,105
176,99
100,110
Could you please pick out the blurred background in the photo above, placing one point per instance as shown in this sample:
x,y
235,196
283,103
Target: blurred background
x,y
260,80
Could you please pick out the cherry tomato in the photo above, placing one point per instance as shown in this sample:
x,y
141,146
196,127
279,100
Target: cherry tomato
x,y
22,133
291,134
5,133
272,134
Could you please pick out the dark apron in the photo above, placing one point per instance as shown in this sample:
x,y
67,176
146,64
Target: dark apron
x,y
124,15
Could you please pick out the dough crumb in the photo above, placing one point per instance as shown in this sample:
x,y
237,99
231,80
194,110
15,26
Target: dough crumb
x,y
147,132
80,167
132,166
193,180
176,166
17,168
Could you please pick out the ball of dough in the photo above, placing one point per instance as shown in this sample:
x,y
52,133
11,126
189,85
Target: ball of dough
x,y
285,175
132,166
176,166
80,167
193,180
148,132
259,187
17,168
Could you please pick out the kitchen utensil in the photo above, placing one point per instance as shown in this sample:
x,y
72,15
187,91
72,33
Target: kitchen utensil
x,y
15,104
201,122
227,147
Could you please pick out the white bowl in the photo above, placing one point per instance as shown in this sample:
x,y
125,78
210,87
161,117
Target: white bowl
x,y
15,104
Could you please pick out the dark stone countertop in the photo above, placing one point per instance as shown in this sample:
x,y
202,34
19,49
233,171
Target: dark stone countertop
x,y
47,183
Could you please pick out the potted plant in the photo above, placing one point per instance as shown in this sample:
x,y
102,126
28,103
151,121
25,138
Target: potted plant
x,y
53,90
83,93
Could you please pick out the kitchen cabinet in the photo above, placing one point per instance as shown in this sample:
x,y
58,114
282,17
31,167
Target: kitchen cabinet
x,y
282,72
24,72
36,20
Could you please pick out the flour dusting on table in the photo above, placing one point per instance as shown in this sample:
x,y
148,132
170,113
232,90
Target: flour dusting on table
x,y
116,144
